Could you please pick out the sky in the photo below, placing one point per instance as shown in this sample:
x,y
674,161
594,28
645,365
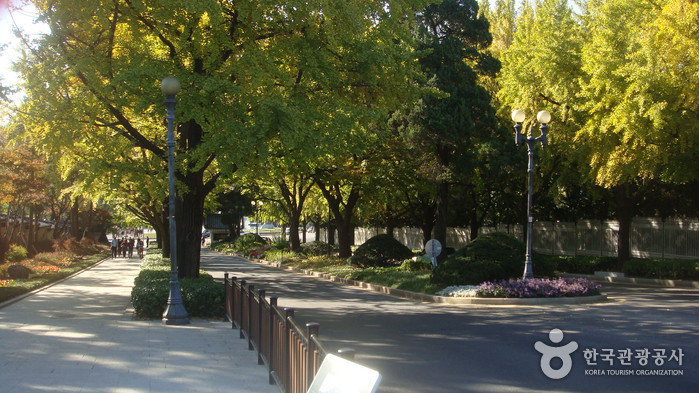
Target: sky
x,y
24,18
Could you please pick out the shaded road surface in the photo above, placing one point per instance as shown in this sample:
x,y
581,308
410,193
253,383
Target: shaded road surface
x,y
431,348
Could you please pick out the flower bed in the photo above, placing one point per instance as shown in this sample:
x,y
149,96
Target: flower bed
x,y
528,288
46,269
6,283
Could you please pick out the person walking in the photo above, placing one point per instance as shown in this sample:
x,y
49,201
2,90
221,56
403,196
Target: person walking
x,y
131,244
114,245
139,247
124,247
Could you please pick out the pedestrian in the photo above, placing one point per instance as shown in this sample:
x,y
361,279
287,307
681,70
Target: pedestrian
x,y
139,246
124,247
114,245
131,244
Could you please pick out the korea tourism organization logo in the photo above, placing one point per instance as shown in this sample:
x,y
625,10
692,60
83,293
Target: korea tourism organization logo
x,y
557,360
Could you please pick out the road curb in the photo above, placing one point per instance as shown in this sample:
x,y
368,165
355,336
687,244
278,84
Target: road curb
x,y
435,298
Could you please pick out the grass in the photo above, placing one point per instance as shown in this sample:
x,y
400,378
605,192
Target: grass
x,y
35,281
394,277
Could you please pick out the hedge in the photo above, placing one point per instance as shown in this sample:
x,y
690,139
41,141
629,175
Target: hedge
x,y
202,297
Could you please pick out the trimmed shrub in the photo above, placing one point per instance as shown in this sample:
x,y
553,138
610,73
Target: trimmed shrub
x,y
490,257
16,253
202,297
18,272
416,265
380,250
662,268
585,264
316,248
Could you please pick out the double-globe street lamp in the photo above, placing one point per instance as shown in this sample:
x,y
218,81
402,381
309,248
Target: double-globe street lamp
x,y
543,118
175,314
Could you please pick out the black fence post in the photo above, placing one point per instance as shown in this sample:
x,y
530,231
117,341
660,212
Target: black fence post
x,y
240,304
272,323
251,294
226,300
288,314
260,308
312,329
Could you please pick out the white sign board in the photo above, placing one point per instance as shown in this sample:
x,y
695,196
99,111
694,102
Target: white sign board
x,y
433,248
338,375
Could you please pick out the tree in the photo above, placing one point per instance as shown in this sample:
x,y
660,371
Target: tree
x,y
639,60
248,72
453,41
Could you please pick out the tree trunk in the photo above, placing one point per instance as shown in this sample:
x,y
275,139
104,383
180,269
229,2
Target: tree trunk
x,y
474,224
440,222
294,221
624,214
189,219
331,232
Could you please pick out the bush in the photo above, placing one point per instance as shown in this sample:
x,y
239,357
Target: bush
x,y
316,248
380,250
247,242
16,253
202,297
490,257
662,268
279,244
18,272
416,265
585,264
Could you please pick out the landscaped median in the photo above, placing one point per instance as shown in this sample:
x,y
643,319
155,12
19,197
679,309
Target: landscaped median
x,y
378,265
446,299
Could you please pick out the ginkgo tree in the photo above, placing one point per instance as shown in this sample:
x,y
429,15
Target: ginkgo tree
x,y
249,70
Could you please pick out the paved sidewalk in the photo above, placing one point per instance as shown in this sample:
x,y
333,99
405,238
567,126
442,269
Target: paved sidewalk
x,y
79,336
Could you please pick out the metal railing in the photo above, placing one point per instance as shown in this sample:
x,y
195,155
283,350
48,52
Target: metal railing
x,y
291,353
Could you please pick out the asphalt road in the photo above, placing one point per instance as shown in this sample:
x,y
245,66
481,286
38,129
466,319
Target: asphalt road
x,y
425,347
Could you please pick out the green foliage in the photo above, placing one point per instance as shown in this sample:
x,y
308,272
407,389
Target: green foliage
x,y
584,264
16,253
380,250
662,268
490,257
279,244
246,242
396,277
202,297
416,265
316,248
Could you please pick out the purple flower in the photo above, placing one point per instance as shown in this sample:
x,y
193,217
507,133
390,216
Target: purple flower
x,y
539,287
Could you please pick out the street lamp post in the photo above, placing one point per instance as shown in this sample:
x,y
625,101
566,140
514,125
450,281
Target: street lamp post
x,y
175,314
544,118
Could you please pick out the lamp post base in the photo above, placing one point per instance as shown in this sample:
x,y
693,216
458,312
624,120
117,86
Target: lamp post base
x,y
175,313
